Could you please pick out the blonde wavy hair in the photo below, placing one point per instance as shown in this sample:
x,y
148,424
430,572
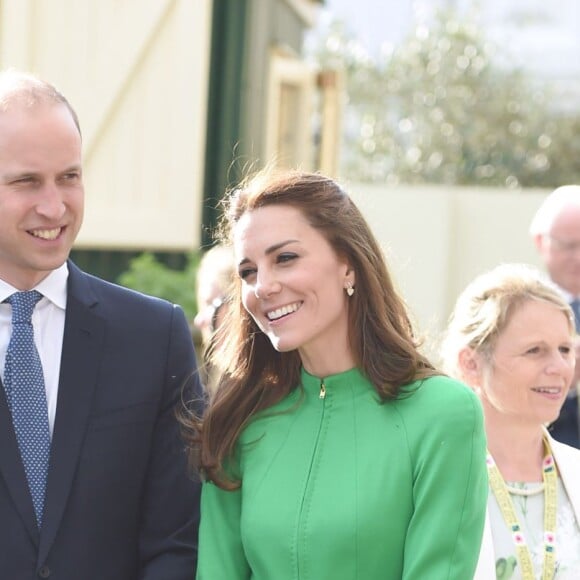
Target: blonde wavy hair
x,y
485,307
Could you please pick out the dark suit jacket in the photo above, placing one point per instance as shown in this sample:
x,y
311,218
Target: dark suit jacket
x,y
565,428
119,504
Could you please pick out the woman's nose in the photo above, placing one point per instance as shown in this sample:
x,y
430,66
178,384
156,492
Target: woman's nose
x,y
560,364
266,285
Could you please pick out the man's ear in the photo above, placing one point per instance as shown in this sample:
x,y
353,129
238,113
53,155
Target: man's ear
x,y
539,242
470,365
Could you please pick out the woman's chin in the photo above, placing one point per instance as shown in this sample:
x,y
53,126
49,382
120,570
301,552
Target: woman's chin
x,y
281,345
284,349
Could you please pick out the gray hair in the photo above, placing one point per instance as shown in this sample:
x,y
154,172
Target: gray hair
x,y
552,207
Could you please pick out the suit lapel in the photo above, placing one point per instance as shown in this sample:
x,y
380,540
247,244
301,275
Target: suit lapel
x,y
81,354
568,461
12,470
486,563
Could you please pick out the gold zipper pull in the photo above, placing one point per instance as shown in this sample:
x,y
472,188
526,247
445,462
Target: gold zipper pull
x,y
322,393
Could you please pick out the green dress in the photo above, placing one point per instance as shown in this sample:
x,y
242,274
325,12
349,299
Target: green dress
x,y
342,487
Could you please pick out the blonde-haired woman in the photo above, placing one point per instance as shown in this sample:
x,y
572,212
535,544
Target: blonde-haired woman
x,y
510,338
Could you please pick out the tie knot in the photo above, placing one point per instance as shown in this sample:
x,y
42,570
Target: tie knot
x,y
23,304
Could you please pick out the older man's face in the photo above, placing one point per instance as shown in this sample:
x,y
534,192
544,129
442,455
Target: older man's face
x,y
560,250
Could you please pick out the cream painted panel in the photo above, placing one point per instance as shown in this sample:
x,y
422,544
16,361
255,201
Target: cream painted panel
x,y
137,73
158,126
15,33
306,9
291,90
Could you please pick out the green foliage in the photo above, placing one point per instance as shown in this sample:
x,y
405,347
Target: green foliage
x,y
148,275
448,107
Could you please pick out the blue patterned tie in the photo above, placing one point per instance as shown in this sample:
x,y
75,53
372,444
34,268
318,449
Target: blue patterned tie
x,y
26,396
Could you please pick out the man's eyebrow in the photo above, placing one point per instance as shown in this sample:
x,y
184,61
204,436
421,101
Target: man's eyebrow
x,y
76,167
18,175
7,177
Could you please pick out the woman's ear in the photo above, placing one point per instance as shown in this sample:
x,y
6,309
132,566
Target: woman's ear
x,y
349,274
350,277
470,365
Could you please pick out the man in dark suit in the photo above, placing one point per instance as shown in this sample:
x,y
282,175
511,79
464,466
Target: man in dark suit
x,y
114,501
556,232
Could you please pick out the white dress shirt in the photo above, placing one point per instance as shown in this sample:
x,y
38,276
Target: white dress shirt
x,y
48,322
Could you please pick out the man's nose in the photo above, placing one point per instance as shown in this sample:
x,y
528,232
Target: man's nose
x,y
50,203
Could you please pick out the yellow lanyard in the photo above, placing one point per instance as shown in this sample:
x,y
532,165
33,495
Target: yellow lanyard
x,y
499,489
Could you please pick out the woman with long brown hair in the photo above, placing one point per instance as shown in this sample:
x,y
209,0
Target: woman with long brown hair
x,y
331,447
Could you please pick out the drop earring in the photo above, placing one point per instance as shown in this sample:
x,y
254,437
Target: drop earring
x,y
349,288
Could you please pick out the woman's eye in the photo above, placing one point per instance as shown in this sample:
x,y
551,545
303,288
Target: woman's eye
x,y
533,350
286,257
246,272
565,349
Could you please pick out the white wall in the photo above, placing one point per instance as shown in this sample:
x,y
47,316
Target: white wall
x,y
437,239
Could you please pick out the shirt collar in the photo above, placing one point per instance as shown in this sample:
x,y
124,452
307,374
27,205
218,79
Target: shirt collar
x,y
53,287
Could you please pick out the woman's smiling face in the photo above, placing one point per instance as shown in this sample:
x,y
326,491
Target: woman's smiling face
x,y
533,363
293,282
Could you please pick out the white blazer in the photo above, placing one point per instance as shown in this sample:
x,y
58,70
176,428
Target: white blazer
x,y
568,462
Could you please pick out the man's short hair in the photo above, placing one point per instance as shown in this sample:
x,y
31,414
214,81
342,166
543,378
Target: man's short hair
x,y
25,90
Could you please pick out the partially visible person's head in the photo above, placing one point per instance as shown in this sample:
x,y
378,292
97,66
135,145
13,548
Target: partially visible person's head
x,y
555,230
41,189
214,279
510,337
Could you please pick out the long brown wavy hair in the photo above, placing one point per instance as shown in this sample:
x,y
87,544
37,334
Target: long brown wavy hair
x,y
253,376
